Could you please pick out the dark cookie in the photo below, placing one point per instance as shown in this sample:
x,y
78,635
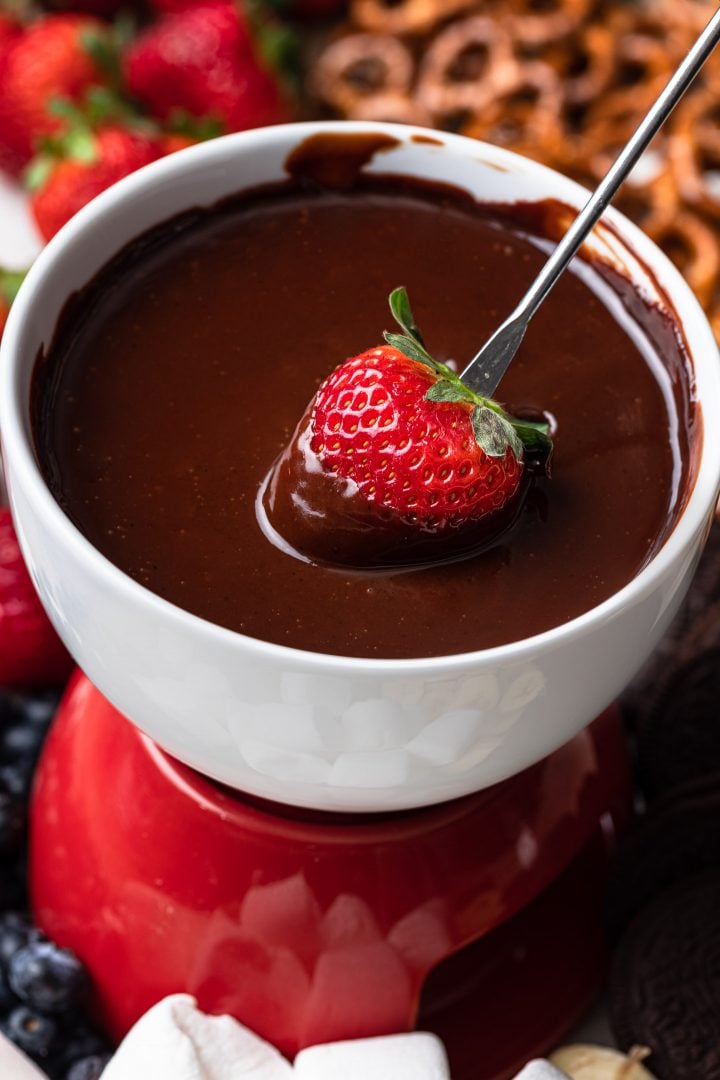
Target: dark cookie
x,y
695,629
678,838
678,741
665,982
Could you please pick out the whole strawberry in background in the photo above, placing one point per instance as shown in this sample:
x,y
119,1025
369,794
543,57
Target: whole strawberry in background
x,y
93,7
63,184
203,62
397,461
31,653
51,58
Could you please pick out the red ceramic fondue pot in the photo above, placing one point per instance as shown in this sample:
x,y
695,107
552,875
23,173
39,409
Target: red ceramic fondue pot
x,y
479,918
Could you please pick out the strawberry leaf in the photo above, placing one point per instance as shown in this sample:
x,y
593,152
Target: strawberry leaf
x,y
181,122
39,171
410,348
80,145
444,390
494,434
535,436
402,314
10,282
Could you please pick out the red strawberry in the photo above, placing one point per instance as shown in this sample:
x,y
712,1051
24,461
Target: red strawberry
x,y
31,653
114,152
94,7
49,60
202,62
9,30
396,456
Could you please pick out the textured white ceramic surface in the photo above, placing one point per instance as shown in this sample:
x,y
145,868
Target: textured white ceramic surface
x,y
303,728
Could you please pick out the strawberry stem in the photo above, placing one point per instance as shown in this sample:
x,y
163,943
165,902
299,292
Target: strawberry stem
x,y
495,430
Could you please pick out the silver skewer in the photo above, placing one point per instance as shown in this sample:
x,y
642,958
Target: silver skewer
x,y
487,368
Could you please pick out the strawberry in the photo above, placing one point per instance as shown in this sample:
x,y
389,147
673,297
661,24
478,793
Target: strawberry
x,y
396,454
50,59
10,282
103,157
202,62
9,30
94,7
31,653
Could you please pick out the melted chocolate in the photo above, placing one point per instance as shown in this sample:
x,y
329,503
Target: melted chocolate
x,y
179,374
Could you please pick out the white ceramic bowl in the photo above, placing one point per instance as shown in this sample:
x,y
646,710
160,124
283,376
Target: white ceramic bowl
x,y
298,727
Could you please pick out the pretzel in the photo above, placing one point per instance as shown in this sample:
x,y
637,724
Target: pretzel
x,y
563,81
693,247
696,168
697,118
585,64
405,16
467,65
526,114
360,66
391,107
557,19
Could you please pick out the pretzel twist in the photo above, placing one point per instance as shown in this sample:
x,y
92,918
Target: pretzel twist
x,y
405,16
361,66
466,67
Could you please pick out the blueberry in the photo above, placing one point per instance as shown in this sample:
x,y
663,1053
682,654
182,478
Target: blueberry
x,y
89,1068
47,977
18,778
40,708
16,931
12,818
34,1034
21,741
8,1000
13,884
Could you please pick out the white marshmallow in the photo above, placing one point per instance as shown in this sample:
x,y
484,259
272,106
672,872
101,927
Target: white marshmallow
x,y
14,1065
175,1041
540,1070
417,1056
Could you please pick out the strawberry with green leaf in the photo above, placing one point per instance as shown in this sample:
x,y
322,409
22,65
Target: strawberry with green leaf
x,y
99,146
203,63
59,56
396,458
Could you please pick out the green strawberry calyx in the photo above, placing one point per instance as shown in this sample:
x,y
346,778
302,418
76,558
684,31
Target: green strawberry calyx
x,y
10,282
495,430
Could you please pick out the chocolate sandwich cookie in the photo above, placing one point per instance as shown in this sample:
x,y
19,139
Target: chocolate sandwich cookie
x,y
664,989
678,741
695,630
678,838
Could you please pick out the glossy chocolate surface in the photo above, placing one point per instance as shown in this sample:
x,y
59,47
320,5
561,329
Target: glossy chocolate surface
x,y
179,374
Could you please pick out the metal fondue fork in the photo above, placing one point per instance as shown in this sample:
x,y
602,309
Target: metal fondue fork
x,y
487,368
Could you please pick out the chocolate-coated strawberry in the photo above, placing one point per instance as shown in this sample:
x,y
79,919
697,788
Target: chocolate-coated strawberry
x,y
202,62
54,58
396,460
31,653
66,182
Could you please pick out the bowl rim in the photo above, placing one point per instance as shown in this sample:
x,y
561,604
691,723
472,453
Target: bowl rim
x,y
702,349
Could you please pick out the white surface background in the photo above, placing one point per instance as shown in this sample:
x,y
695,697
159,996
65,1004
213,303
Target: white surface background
x,y
19,240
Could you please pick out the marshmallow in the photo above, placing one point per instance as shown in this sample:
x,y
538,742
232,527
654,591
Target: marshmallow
x,y
417,1056
540,1070
174,1041
14,1065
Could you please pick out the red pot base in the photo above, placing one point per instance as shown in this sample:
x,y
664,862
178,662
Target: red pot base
x,y
479,919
